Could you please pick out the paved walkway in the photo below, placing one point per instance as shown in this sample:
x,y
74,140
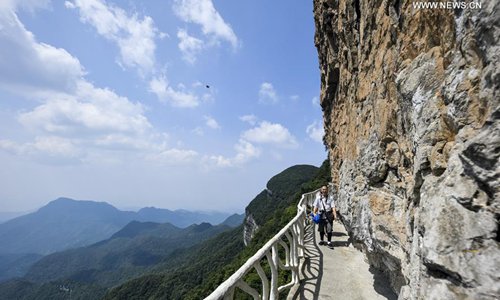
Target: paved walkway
x,y
339,273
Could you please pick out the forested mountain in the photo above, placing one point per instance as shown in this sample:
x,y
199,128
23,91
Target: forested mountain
x,y
132,250
194,273
234,220
167,262
66,223
16,265
90,270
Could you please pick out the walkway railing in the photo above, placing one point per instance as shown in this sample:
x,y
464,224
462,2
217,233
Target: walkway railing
x,y
291,239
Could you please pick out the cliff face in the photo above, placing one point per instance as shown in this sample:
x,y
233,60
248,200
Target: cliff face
x,y
411,113
250,227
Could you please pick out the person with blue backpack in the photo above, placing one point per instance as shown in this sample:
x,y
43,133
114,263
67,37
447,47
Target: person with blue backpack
x,y
324,205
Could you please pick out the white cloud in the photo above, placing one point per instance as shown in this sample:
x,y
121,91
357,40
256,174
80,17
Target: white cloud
x,y
245,151
89,111
45,149
92,125
250,119
175,156
218,161
269,133
316,131
134,37
33,67
56,146
203,13
211,122
189,46
267,94
294,97
166,93
74,121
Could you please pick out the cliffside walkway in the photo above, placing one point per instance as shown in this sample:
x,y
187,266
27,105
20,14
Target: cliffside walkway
x,y
339,273
317,272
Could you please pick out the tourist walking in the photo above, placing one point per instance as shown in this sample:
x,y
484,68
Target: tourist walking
x,y
324,205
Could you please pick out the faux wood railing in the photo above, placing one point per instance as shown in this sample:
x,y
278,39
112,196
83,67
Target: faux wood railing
x,y
291,239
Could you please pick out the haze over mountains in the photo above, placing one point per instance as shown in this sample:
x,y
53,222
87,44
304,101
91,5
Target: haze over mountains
x,y
148,260
66,223
9,215
130,251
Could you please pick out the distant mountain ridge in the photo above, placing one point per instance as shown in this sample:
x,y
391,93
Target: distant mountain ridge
x,y
66,223
130,251
181,218
9,215
144,251
194,272
234,220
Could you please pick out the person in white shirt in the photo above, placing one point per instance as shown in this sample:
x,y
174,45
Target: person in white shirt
x,y
324,204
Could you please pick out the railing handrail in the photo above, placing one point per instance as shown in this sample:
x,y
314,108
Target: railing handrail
x,y
227,287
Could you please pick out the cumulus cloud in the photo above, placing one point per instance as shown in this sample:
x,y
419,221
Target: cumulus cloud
x,y
211,122
267,94
245,151
33,67
92,124
89,110
177,98
203,13
270,133
45,149
250,119
316,131
189,46
134,36
73,120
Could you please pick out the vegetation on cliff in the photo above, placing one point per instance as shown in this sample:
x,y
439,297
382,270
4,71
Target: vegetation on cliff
x,y
195,272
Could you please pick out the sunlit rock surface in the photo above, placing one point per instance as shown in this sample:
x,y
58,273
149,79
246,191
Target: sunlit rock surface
x,y
411,113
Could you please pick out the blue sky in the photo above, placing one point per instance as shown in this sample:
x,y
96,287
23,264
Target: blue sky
x,y
108,100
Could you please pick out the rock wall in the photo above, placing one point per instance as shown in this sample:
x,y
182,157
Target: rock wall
x,y
411,114
250,227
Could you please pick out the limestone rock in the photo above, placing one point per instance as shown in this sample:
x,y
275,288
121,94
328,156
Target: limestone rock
x,y
411,110
249,228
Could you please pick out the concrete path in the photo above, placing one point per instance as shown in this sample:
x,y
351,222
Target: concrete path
x,y
339,273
